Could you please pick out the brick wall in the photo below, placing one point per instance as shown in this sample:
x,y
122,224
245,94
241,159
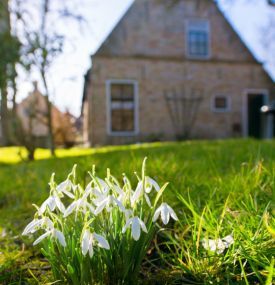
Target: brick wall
x,y
157,77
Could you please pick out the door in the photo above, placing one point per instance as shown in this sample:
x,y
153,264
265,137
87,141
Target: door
x,y
255,102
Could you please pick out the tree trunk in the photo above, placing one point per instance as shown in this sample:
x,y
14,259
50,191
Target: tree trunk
x,y
4,117
49,113
4,113
31,153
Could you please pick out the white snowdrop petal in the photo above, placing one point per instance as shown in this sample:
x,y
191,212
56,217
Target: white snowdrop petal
x,y
42,208
214,245
137,193
119,190
48,223
228,240
128,213
46,234
165,216
103,184
59,205
101,206
64,186
209,244
119,204
32,226
157,213
128,222
60,236
148,187
91,207
220,246
143,226
153,183
51,203
98,193
97,201
87,192
85,242
102,242
69,194
91,248
70,209
147,199
172,213
135,228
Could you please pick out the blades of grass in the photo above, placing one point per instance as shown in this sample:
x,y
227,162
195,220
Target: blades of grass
x,y
255,270
243,272
33,276
188,205
270,273
223,214
270,229
159,194
72,274
199,231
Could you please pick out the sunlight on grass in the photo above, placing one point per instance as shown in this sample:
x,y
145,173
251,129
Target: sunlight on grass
x,y
12,155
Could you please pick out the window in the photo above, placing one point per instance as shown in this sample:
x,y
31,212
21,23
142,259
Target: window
x,y
220,104
198,43
122,107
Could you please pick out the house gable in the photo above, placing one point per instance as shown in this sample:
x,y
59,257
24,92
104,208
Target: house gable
x,y
156,29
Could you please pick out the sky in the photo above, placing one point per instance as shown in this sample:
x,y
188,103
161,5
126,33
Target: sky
x,y
67,75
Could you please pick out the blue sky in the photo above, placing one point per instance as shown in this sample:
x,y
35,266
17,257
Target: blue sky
x,y
66,77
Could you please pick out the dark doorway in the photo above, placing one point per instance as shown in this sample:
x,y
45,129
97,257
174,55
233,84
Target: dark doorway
x,y
255,102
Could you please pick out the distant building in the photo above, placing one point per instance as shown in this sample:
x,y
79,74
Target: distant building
x,y
32,112
174,69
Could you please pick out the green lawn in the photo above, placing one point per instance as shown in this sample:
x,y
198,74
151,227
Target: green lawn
x,y
216,187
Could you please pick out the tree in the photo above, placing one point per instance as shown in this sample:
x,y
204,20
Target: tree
x,y
43,43
9,56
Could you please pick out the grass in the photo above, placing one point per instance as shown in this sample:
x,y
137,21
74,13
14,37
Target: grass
x,y
217,188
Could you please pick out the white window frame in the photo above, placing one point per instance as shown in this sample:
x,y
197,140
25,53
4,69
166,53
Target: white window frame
x,y
221,110
109,82
190,25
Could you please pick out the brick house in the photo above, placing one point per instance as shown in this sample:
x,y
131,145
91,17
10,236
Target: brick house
x,y
174,69
32,112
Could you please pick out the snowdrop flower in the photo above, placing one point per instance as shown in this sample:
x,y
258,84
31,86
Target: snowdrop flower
x,y
228,240
218,245
128,213
136,223
165,211
88,241
151,183
98,196
37,224
65,187
103,185
53,233
120,192
107,203
78,205
52,202
137,194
